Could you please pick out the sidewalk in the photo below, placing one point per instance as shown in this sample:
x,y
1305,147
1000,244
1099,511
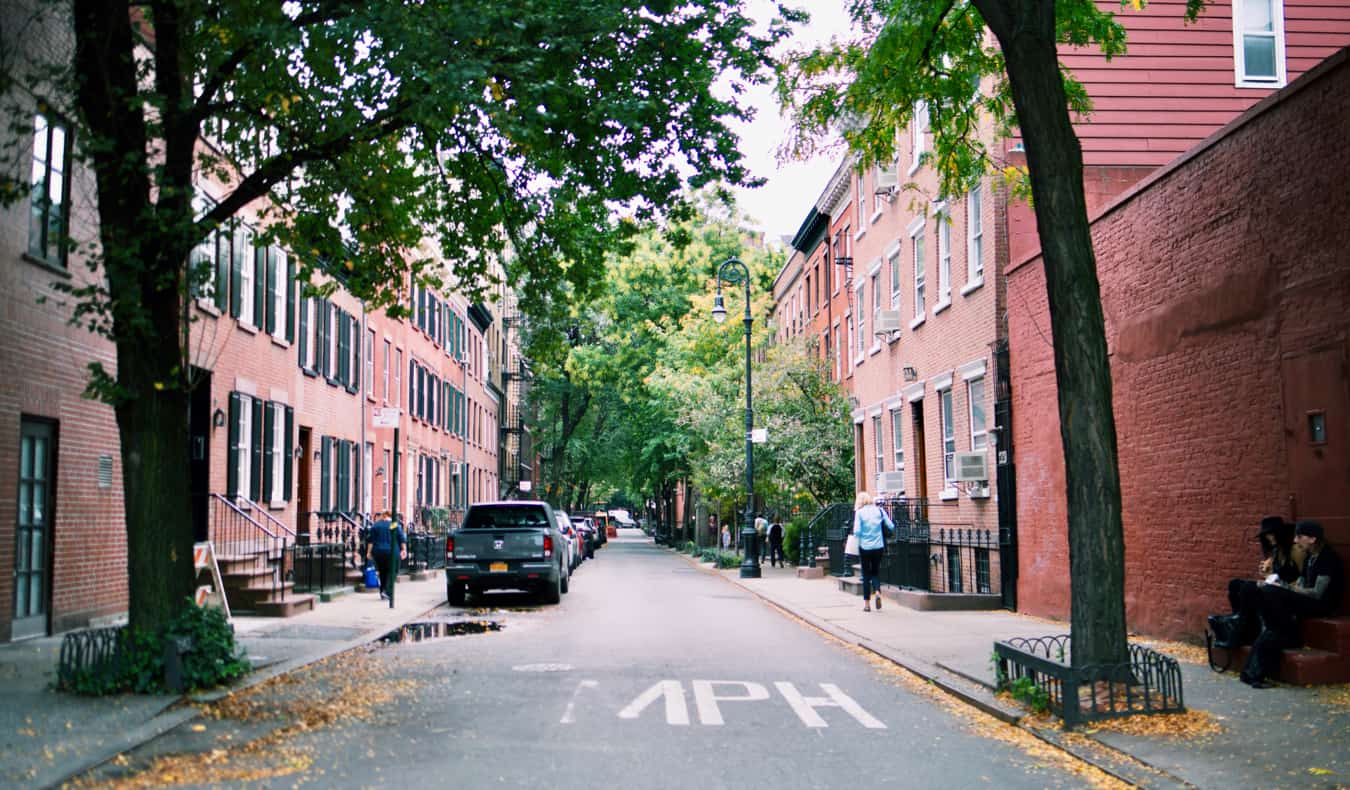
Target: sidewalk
x,y
48,737
1286,737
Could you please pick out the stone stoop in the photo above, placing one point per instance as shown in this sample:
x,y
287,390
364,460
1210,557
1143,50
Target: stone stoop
x,y
817,572
928,601
248,587
1324,657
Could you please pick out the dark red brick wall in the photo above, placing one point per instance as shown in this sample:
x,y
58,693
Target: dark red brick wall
x,y
1213,271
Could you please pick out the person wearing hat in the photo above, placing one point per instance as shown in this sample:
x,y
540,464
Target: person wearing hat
x,y
1282,558
1315,593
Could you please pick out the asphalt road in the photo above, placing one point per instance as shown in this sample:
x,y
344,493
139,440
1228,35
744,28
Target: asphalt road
x,y
651,674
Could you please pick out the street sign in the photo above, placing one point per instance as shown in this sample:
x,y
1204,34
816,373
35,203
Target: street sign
x,y
385,417
759,435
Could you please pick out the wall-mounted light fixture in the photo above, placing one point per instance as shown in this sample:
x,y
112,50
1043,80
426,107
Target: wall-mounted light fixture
x,y
218,418
379,472
298,452
910,373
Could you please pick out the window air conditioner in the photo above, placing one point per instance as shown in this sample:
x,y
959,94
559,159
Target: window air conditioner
x,y
972,467
891,482
885,322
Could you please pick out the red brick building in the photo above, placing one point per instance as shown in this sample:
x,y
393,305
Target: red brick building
x,y
1226,289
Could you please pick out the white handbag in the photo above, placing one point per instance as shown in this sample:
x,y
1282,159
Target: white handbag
x,y
851,545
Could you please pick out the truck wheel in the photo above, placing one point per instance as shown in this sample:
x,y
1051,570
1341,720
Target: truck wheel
x,y
552,593
456,594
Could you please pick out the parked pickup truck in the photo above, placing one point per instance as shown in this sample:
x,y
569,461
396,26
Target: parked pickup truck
x,y
506,546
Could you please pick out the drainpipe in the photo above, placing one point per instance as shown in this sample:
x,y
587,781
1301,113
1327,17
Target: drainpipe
x,y
361,396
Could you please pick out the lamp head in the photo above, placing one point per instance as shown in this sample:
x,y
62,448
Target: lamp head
x,y
719,310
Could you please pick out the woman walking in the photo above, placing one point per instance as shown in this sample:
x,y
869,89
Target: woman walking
x,y
870,525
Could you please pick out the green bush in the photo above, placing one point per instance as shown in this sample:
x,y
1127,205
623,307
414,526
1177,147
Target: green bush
x,y
213,657
728,559
792,539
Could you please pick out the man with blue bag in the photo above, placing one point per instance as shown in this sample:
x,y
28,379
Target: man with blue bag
x,y
384,533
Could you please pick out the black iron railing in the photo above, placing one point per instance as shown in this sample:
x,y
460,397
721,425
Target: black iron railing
x,y
829,527
1038,669
329,543
243,544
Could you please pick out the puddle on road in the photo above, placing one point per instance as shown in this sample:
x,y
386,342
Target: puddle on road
x,y
422,632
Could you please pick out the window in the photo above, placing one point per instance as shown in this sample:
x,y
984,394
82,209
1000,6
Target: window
x,y
50,208
244,261
876,293
944,228
948,438
1258,43
979,433
385,387
920,277
838,372
367,488
370,363
241,442
387,471
276,315
860,319
278,452
861,200
974,238
918,129
877,445
897,424
398,373
894,261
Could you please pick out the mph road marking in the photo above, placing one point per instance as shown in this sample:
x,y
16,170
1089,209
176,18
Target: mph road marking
x,y
708,693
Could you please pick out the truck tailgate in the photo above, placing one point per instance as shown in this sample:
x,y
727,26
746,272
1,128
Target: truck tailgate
x,y
487,545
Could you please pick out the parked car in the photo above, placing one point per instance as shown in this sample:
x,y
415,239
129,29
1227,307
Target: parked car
x,y
575,552
587,530
506,546
603,527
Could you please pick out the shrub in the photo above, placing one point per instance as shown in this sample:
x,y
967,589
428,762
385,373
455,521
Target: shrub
x,y
792,539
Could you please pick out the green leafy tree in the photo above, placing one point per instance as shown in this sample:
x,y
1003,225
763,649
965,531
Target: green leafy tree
x,y
940,53
356,129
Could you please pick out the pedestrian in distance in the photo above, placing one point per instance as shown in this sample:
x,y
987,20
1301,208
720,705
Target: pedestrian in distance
x,y
761,538
870,525
384,533
776,545
1316,593
726,537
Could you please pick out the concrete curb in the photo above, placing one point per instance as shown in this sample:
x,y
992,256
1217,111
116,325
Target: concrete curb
x,y
1106,758
180,711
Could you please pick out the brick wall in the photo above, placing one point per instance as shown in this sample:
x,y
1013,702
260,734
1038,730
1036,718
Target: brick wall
x,y
1215,272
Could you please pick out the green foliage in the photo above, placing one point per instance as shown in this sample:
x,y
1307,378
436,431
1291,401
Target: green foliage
x,y
213,657
1025,690
792,538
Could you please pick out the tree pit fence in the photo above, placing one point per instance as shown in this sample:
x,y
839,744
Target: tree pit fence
x,y
1037,670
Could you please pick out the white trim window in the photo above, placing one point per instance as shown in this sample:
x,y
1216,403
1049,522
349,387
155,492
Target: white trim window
x,y
278,295
1258,43
279,458
861,200
878,446
974,238
397,391
368,481
944,253
897,443
918,132
894,260
838,369
243,248
920,275
948,438
243,449
370,363
388,346
979,423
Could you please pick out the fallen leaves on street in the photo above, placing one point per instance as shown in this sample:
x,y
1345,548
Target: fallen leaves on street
x,y
1191,724
1338,695
341,689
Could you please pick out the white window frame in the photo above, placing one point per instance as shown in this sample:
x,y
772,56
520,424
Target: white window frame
x,y
942,212
861,200
246,275
916,244
918,135
388,351
979,438
879,451
947,420
974,239
244,456
370,364
893,260
838,354
279,295
897,441
398,377
368,480
1241,77
279,458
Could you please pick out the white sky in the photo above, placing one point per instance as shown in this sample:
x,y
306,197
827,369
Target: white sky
x,y
779,206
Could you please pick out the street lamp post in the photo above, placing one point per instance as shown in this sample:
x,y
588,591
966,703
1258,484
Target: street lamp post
x,y
749,538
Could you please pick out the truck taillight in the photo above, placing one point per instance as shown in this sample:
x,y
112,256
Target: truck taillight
x,y
548,546
449,547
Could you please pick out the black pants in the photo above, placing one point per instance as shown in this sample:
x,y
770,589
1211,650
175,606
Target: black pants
x,y
1244,595
775,552
383,568
1281,609
871,571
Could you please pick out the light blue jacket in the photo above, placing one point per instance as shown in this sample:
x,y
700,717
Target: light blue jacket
x,y
867,526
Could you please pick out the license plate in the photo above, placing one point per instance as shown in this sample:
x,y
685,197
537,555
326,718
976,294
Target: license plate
x,y
497,567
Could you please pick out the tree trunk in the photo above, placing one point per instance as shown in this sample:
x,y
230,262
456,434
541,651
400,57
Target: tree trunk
x,y
1026,33
145,292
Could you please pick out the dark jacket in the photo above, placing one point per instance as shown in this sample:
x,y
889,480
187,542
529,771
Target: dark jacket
x,y
383,534
1325,563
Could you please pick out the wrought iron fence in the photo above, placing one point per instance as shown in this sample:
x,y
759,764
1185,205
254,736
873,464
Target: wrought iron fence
x,y
240,539
97,651
1040,668
329,544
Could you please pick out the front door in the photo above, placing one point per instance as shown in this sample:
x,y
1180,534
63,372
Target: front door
x,y
1317,438
920,449
33,536
302,486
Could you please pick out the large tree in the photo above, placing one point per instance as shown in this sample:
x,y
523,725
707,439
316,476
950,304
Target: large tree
x,y
939,53
355,129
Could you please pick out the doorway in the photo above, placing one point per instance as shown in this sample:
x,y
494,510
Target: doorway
x,y
1316,394
33,533
199,452
302,487
920,449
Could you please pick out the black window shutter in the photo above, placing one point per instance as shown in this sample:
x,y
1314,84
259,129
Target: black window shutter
x,y
325,471
259,286
344,473
291,285
236,271
412,387
222,259
358,489
269,430
255,468
288,458
354,379
422,308
325,330
304,333
232,470
270,290
343,350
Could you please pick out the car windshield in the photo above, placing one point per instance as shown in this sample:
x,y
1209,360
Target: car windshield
x,y
498,516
